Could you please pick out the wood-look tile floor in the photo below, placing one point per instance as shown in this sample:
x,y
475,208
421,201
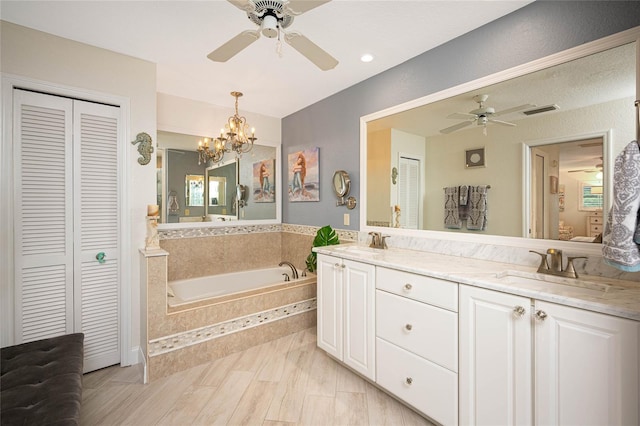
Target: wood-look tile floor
x,y
288,381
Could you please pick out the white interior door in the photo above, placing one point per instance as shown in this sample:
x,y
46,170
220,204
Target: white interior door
x,y
409,192
96,225
43,216
66,212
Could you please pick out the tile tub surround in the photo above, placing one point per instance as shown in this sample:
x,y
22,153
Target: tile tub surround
x,y
182,323
199,252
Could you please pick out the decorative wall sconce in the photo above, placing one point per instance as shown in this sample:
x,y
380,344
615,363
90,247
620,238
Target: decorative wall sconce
x,y
342,186
145,148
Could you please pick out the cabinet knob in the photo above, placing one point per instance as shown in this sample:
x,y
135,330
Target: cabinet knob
x,y
337,265
408,327
541,315
408,287
343,266
100,257
409,380
519,311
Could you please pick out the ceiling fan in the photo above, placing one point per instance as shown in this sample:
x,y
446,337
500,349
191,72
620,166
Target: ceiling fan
x,y
482,116
273,17
598,168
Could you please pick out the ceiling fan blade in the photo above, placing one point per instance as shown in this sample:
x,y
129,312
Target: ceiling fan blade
x,y
233,46
311,51
514,109
245,5
462,116
502,123
456,127
298,7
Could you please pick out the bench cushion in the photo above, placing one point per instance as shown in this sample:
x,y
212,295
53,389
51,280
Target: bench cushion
x,y
41,381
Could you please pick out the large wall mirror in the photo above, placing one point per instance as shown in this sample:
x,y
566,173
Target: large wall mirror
x,y
532,145
179,174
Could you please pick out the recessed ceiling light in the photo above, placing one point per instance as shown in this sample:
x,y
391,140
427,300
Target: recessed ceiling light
x,y
367,57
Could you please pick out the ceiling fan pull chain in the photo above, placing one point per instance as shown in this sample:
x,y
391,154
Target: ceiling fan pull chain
x,y
279,44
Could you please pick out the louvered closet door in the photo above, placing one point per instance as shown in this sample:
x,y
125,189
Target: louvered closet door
x,y
96,228
43,246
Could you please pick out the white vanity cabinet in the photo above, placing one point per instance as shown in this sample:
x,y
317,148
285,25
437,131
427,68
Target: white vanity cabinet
x,y
417,341
346,309
495,358
586,366
525,362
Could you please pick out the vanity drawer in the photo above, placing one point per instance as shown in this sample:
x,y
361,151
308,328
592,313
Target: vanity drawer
x,y
425,330
596,229
596,220
418,287
426,386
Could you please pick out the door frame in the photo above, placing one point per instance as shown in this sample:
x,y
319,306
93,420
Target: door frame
x,y
7,272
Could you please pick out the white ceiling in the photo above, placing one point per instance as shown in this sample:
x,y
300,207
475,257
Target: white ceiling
x,y
178,35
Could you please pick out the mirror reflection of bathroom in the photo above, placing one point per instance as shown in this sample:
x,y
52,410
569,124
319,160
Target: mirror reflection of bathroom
x,y
257,170
567,196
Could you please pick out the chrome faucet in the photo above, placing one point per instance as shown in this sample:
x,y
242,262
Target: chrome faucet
x,y
556,267
378,240
294,271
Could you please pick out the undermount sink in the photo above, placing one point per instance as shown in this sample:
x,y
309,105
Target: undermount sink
x,y
360,250
554,284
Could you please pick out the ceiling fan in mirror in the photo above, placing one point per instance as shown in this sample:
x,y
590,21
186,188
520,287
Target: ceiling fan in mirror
x,y
597,168
482,116
272,18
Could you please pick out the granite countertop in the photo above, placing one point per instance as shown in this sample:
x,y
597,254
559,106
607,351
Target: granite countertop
x,y
605,295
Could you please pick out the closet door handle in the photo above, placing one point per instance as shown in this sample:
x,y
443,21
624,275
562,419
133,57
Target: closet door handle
x,y
100,257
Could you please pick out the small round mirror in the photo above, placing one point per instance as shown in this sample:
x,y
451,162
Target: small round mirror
x,y
341,183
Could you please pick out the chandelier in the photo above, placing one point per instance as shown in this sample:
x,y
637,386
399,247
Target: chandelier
x,y
234,136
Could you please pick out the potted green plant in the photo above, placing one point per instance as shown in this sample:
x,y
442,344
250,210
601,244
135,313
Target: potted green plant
x,y
325,236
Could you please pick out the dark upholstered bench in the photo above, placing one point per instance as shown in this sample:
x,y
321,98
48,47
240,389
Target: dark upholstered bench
x,y
41,382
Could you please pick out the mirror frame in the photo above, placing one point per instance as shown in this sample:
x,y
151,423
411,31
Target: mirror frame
x,y
239,222
615,40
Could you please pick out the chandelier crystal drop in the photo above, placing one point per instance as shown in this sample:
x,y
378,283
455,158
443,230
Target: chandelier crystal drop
x,y
236,136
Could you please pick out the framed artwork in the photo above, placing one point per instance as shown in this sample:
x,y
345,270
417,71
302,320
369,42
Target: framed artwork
x,y
264,188
561,197
304,175
474,158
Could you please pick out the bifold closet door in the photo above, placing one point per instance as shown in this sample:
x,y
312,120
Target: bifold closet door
x,y
43,200
96,229
67,265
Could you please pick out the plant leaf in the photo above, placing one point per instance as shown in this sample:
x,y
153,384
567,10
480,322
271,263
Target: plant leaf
x,y
326,236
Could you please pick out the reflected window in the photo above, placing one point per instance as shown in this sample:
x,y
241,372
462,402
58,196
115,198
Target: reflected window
x,y
591,196
194,190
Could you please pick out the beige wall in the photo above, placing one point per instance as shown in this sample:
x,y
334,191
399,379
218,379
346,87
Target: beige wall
x,y
503,150
197,118
59,62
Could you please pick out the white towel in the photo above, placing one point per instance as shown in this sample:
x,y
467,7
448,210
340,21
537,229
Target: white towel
x,y
451,206
621,238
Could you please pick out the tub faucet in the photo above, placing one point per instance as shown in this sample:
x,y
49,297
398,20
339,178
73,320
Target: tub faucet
x,y
294,271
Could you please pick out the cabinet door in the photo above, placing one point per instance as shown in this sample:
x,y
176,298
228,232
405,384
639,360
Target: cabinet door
x,y
495,358
359,317
586,367
330,324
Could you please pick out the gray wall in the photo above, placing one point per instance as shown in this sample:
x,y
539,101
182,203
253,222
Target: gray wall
x,y
181,163
535,31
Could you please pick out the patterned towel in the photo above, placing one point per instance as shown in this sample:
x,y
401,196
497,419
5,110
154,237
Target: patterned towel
x,y
621,238
477,220
451,206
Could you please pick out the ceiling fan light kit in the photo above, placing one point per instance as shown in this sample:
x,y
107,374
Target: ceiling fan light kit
x,y
272,17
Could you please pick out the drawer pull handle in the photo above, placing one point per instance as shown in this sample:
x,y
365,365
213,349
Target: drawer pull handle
x,y
408,287
408,327
409,380
541,315
518,311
